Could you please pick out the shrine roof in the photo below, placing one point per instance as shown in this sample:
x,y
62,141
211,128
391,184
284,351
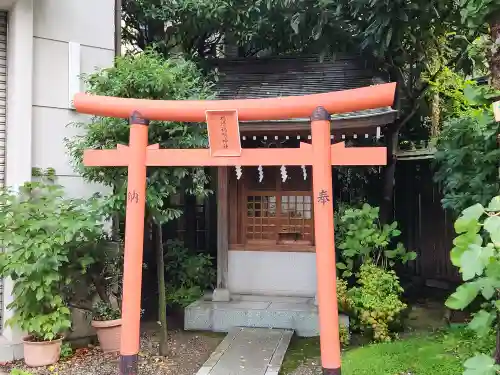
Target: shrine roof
x,y
292,76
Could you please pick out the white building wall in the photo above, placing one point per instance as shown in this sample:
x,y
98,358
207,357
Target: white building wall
x,y
57,23
274,273
39,99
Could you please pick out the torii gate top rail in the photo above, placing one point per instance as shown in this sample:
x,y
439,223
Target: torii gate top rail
x,y
281,108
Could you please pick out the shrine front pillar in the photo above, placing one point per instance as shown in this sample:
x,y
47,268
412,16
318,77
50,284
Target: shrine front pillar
x,y
221,292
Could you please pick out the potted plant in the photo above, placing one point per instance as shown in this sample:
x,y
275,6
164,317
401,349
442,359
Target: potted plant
x,y
40,229
107,322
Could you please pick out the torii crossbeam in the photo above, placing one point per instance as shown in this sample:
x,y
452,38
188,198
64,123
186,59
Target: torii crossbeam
x,y
222,117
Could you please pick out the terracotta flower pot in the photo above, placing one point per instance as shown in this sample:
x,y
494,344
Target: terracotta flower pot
x,y
109,334
43,353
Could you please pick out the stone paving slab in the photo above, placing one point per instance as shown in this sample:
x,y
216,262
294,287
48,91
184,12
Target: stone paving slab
x,y
249,351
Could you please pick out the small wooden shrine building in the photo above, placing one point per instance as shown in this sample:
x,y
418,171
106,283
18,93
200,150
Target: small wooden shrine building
x,y
265,231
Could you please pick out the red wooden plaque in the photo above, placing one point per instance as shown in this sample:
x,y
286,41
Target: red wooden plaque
x,y
223,132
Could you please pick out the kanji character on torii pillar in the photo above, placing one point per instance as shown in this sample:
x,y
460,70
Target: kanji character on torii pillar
x,y
222,118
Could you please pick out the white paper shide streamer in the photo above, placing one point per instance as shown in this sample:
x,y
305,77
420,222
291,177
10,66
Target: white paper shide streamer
x,y
304,172
284,174
239,171
261,173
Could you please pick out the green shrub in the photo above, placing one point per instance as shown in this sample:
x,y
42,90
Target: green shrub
x,y
367,240
376,301
468,153
343,299
476,252
345,335
189,275
102,311
66,351
45,237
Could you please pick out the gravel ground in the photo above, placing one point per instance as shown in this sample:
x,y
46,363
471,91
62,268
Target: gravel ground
x,y
188,352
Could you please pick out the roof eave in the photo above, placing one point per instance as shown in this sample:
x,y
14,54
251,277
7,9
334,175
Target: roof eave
x,y
350,124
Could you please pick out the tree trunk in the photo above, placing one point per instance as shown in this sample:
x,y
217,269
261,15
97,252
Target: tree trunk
x,y
162,293
387,207
436,116
494,22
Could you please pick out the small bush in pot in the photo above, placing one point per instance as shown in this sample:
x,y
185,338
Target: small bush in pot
x,y
106,319
40,229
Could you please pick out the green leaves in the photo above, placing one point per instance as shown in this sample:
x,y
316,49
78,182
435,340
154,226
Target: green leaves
x,y
46,238
465,224
189,274
492,226
474,260
482,322
467,156
481,364
367,240
494,204
102,311
463,296
473,212
480,268
147,76
374,302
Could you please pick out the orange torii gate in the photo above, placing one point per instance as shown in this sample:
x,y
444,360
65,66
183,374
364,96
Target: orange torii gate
x,y
222,117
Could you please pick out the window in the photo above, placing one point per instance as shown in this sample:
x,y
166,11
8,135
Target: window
x,y
280,218
261,218
296,219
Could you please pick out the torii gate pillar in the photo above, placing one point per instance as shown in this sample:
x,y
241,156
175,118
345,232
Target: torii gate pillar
x,y
325,244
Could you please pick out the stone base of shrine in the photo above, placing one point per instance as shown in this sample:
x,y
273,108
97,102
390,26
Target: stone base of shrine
x,y
297,313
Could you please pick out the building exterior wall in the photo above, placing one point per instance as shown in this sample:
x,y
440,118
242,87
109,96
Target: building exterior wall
x,y
3,108
57,23
50,43
273,273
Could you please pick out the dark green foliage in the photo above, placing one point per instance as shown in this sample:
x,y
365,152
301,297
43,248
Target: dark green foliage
x,y
189,275
365,239
146,76
66,351
468,153
103,311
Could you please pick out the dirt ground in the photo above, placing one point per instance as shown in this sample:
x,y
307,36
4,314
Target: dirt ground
x,y
188,352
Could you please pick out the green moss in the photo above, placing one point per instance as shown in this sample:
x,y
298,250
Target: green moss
x,y
300,350
440,353
416,355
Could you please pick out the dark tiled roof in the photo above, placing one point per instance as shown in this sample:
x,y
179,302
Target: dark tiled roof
x,y
291,76
270,77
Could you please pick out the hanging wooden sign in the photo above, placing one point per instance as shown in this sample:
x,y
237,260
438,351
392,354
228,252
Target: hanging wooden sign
x,y
223,132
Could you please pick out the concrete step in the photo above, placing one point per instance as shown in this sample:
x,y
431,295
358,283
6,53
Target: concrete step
x,y
299,315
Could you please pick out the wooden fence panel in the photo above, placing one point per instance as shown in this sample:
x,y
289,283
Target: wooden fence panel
x,y
426,227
